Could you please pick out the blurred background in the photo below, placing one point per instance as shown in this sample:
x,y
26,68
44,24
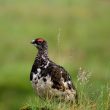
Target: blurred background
x,y
78,35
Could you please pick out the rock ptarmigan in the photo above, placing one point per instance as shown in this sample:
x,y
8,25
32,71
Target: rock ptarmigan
x,y
48,79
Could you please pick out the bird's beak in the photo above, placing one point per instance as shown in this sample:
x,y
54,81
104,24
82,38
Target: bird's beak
x,y
32,42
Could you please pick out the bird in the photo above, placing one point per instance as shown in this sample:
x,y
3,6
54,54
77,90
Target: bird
x,y
49,79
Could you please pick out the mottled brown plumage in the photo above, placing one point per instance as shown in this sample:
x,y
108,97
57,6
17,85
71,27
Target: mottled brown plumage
x,y
49,78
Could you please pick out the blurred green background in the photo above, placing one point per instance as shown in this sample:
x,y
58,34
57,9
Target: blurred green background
x,y
78,35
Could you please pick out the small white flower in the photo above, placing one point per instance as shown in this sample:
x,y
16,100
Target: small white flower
x,y
83,76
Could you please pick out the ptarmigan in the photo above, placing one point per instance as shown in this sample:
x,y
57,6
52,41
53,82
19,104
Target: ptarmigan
x,y
50,80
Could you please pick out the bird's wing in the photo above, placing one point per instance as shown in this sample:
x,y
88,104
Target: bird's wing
x,y
60,77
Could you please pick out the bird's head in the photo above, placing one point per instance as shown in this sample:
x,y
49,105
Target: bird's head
x,y
39,43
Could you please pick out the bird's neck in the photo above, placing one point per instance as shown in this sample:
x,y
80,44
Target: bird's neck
x,y
42,54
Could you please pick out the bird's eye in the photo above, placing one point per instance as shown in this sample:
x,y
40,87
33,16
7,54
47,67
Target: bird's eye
x,y
39,43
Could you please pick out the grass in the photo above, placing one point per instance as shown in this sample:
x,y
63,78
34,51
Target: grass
x,y
90,97
86,101
83,27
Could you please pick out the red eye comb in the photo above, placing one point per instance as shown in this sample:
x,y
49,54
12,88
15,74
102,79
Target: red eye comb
x,y
40,40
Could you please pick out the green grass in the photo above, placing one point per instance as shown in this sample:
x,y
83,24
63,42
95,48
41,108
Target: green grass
x,y
84,42
96,100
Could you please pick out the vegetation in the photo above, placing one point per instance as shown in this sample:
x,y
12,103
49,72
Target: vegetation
x,y
94,100
78,35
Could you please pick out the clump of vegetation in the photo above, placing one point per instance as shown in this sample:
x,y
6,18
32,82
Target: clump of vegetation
x,y
87,100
